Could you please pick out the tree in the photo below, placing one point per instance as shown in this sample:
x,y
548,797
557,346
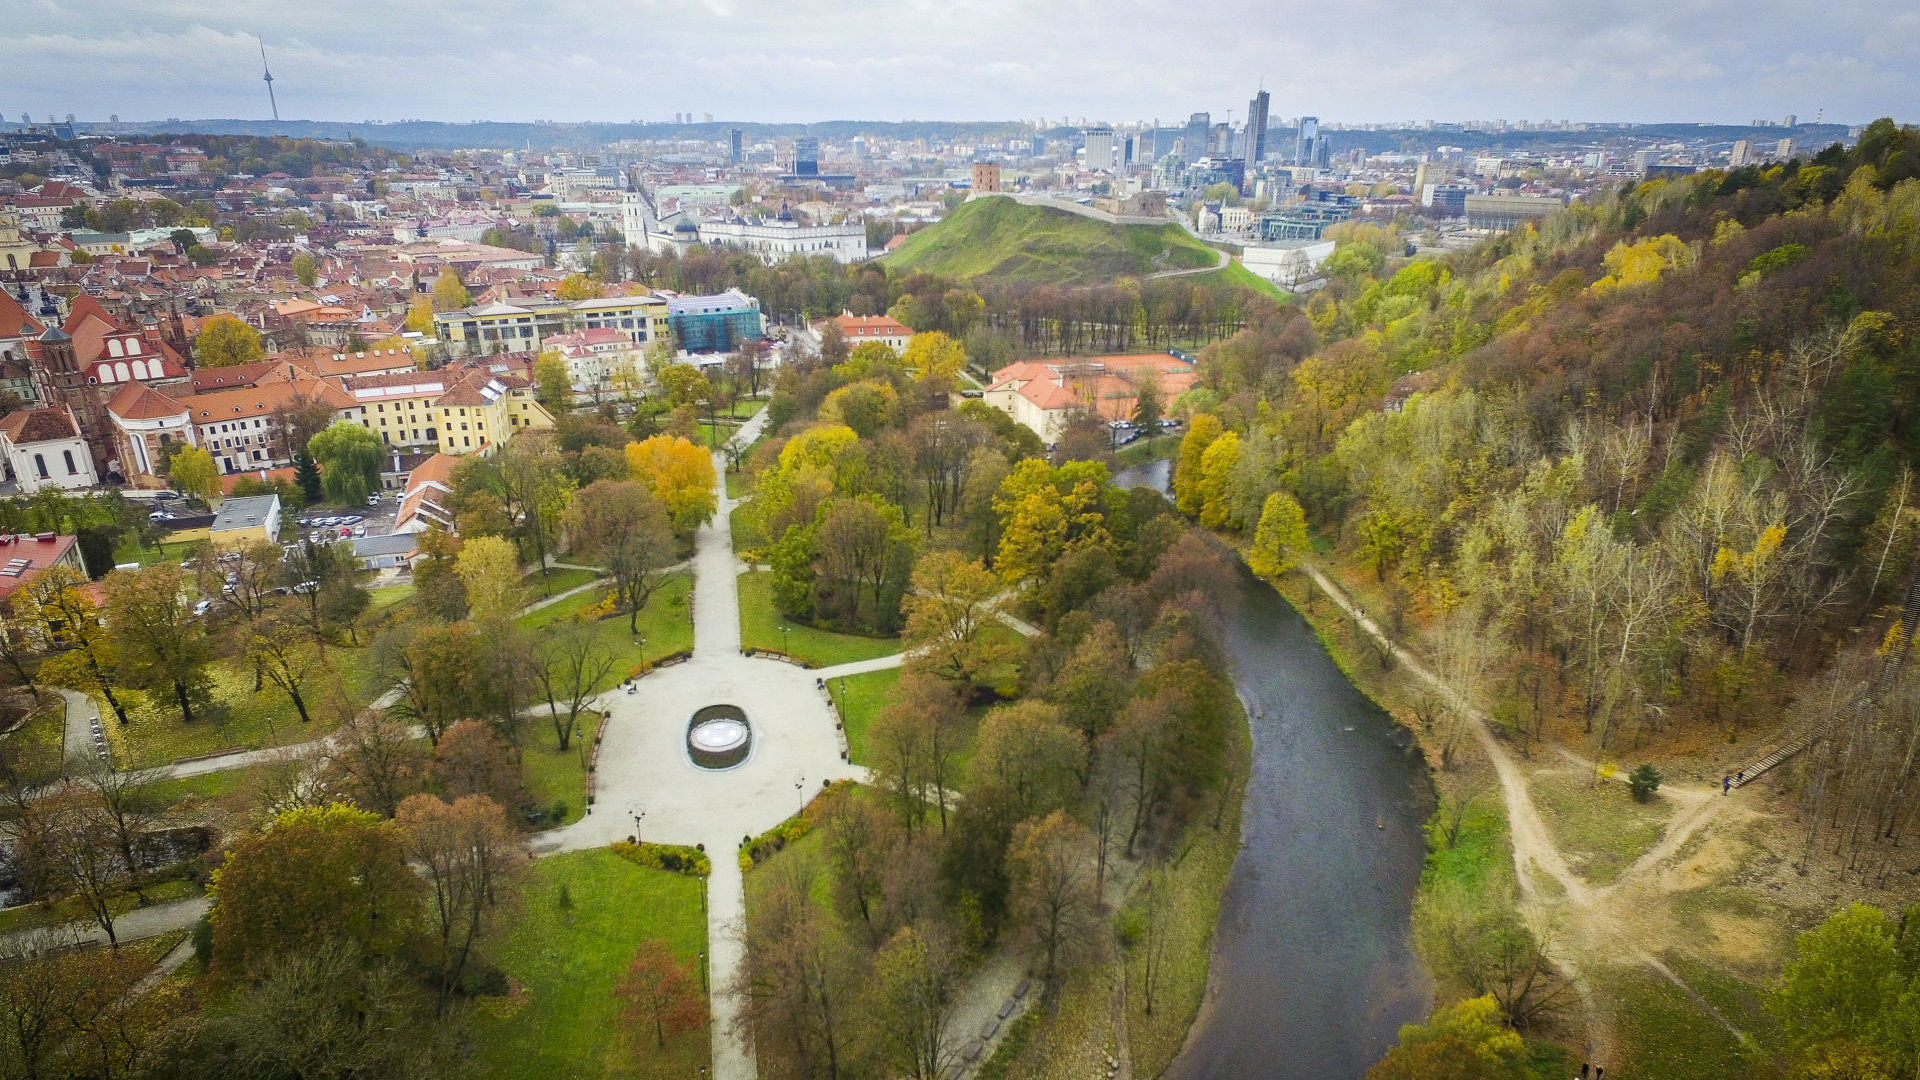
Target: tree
x,y
60,608
490,569
952,601
193,473
571,663
467,854
225,341
858,844
283,648
660,991
125,806
1051,861
449,292
621,524
911,1001
537,489
1466,1041
376,761
159,642
471,760
1148,404
319,875
302,417
1281,537
1189,468
680,475
82,859
934,357
306,473
303,270
1024,750
555,382
577,287
350,459
1849,983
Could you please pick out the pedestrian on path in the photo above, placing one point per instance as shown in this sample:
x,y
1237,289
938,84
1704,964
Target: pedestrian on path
x,y
1726,785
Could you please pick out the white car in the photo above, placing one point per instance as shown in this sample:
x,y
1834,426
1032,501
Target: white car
x,y
202,607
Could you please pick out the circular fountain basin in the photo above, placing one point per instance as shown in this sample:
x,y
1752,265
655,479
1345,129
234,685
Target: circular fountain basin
x,y
719,737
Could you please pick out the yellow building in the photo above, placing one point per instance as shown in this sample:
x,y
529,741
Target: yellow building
x,y
485,409
455,410
511,326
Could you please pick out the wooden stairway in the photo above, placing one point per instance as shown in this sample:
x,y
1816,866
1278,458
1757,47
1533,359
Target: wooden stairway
x,y
1883,681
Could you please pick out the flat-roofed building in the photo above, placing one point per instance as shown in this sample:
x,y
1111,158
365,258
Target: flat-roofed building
x,y
1503,212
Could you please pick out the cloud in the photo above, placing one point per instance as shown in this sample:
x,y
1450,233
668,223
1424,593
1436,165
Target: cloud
x,y
1365,60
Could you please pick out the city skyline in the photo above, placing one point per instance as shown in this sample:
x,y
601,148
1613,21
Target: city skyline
x,y
1700,61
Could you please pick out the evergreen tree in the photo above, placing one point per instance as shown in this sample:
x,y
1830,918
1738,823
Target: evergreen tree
x,y
306,473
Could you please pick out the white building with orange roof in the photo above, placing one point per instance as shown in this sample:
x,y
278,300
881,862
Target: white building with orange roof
x,y
1043,395
859,329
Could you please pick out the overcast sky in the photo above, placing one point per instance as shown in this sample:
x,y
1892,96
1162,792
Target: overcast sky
x,y
1116,60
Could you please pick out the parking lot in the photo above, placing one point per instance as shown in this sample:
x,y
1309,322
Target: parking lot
x,y
327,525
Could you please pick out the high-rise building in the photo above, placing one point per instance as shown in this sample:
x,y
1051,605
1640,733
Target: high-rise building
x,y
1220,141
1791,120
733,145
1783,149
1100,155
1303,147
806,156
1194,145
1742,153
1257,128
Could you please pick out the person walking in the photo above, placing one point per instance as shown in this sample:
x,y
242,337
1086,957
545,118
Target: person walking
x,y
1726,785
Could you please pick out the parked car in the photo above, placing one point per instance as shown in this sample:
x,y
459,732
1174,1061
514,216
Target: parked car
x,y
373,499
202,607
159,515
359,530
306,587
165,496
345,531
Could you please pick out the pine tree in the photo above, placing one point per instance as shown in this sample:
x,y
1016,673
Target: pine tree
x,y
307,475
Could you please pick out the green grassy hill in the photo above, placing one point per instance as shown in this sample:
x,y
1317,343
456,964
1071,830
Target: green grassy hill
x,y
1004,240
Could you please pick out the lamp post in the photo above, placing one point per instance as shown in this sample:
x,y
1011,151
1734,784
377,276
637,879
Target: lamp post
x,y
642,642
637,812
784,651
800,789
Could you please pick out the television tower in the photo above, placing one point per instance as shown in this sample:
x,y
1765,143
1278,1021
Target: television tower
x,y
269,79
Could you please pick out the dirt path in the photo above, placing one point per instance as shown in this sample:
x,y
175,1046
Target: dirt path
x,y
1582,924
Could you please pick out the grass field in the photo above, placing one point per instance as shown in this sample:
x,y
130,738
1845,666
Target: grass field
x,y
860,699
1663,1035
130,551
760,629
1599,826
69,910
236,718
1001,239
386,596
554,776
666,626
1145,450
746,538
558,579
1236,274
563,1019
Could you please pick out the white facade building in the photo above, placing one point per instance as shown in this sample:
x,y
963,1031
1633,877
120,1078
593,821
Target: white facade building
x,y
772,241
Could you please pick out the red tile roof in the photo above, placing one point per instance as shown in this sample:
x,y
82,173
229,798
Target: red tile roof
x,y
37,425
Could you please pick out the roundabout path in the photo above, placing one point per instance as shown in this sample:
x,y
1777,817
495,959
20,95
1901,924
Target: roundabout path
x,y
644,768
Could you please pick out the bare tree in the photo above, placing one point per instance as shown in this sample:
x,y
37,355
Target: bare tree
x,y
570,666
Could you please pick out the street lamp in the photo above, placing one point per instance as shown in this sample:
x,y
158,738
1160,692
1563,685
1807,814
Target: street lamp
x,y
783,642
635,811
799,789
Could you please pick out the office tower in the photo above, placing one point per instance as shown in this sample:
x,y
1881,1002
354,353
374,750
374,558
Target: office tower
x,y
806,156
1195,136
1303,147
1220,141
1257,128
733,145
1742,153
1783,149
1100,156
1791,120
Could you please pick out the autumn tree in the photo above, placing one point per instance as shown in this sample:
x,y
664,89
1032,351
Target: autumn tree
x,y
679,474
621,524
911,1001
801,984
332,873
224,341
576,287
660,992
60,607
1281,537
471,760
192,473
449,292
304,270
467,854
375,761
489,567
1051,864
951,606
934,357
1466,1041
537,491
283,648
554,380
350,458
570,664
159,642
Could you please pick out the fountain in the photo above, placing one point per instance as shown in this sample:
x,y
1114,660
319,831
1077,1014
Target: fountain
x,y
719,737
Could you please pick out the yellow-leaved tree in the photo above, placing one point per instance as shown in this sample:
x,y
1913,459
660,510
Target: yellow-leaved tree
x,y
577,287
225,341
934,355
1280,538
680,475
489,566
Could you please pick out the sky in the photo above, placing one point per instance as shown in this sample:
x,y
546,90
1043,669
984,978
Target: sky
x,y
1354,61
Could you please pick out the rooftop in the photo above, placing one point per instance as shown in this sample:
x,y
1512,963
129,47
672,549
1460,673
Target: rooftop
x,y
251,512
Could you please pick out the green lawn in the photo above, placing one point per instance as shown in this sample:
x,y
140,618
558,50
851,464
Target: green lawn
x,y
554,776
760,629
563,1020
860,699
738,483
746,538
45,727
130,551
1599,826
1145,450
386,596
237,718
1663,1034
213,785
666,625
1005,240
558,580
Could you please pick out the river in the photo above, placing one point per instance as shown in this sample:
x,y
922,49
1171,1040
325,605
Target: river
x,y
1312,970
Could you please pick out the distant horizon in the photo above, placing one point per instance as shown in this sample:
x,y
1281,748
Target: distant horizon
x,y
1367,61
1274,121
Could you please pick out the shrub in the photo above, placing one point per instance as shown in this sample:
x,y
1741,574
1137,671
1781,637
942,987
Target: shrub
x,y
673,858
1643,782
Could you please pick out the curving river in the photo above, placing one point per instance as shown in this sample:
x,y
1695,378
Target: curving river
x,y
1312,972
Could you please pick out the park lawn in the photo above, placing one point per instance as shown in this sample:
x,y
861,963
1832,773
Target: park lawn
x,y
1663,1034
860,699
666,625
45,727
356,669
1598,825
760,629
803,859
562,1020
1142,451
204,787
235,718
558,580
746,538
130,551
385,596
557,779
69,909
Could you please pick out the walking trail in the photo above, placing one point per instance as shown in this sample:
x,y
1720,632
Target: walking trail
x,y
1582,923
